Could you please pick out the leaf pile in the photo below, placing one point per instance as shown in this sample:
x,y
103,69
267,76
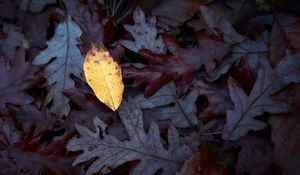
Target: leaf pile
x,y
149,87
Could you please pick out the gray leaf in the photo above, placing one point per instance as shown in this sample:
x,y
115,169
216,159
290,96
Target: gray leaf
x,y
68,60
146,147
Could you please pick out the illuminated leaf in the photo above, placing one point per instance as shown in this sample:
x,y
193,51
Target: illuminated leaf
x,y
104,76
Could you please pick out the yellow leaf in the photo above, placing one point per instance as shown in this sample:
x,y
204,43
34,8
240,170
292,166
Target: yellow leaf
x,y
104,76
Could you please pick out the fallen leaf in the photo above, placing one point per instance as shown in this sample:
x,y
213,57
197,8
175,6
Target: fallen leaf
x,y
35,28
181,66
164,105
284,36
88,18
203,163
85,108
286,133
256,155
13,39
35,6
68,60
221,26
241,118
33,121
251,50
16,79
29,156
146,147
144,34
104,76
175,12
218,99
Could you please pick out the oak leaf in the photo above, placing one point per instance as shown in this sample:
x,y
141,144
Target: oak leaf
x,y
164,105
181,66
109,152
241,118
144,34
68,60
16,80
221,26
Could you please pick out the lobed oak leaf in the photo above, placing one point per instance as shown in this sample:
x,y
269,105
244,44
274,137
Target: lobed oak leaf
x,y
164,105
68,60
16,79
109,152
144,34
251,50
181,66
241,118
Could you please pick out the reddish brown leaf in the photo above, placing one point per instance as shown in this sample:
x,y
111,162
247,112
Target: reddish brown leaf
x,y
203,163
244,76
181,66
28,157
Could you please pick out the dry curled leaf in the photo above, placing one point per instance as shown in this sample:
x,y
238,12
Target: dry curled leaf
x,y
104,75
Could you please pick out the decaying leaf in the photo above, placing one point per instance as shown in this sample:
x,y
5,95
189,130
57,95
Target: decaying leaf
x,y
241,119
144,34
165,105
104,76
68,60
110,152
